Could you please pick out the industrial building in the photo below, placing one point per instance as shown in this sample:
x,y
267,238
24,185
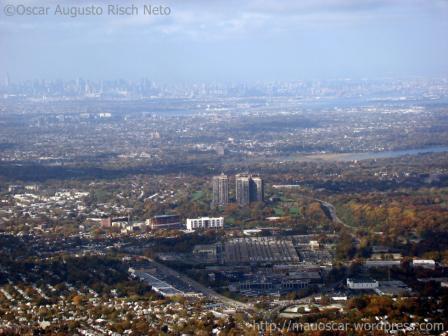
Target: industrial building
x,y
259,250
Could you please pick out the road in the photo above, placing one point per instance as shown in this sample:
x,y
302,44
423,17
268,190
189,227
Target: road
x,y
207,292
210,293
331,212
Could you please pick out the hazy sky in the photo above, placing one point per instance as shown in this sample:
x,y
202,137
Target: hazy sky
x,y
228,40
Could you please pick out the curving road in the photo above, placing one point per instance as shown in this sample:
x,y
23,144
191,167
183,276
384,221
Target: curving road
x,y
331,212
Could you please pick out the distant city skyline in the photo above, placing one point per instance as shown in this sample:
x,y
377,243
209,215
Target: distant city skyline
x,y
231,41
143,88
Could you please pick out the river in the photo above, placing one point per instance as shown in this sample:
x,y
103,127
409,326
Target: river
x,y
366,155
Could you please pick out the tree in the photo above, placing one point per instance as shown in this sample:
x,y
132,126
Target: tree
x,y
77,300
345,248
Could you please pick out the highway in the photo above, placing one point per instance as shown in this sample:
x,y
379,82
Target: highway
x,y
207,292
330,211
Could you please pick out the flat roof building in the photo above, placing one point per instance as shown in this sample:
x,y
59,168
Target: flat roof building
x,y
362,283
205,223
164,222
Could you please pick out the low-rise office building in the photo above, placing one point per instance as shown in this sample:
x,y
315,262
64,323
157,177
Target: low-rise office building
x,y
362,284
424,263
205,223
164,222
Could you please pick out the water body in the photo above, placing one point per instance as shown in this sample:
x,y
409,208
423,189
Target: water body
x,y
369,155
370,101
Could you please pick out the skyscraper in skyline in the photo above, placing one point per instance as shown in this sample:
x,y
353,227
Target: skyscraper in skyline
x,y
256,189
242,189
249,188
220,190
7,81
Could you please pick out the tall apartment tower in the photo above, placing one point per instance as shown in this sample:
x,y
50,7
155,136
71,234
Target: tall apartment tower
x,y
249,188
242,189
257,189
220,190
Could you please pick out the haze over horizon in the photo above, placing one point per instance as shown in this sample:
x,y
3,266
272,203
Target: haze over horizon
x,y
211,41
